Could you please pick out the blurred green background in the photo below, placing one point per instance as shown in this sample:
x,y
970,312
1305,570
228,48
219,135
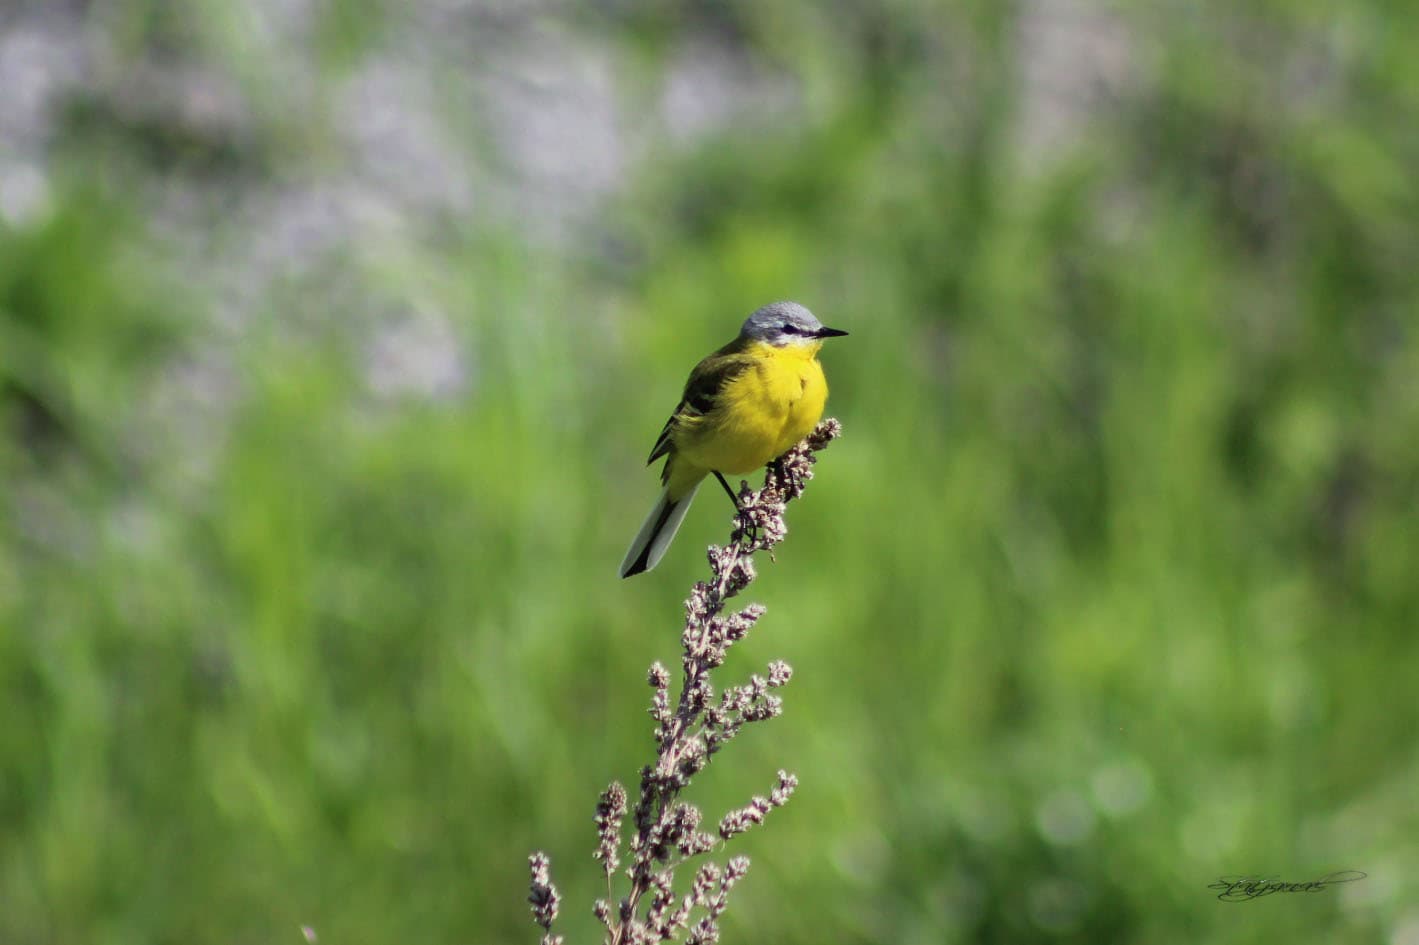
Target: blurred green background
x,y
333,335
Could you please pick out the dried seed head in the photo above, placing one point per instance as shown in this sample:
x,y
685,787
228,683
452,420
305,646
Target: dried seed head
x,y
705,932
660,711
682,823
735,869
736,626
740,576
662,898
766,708
787,783
827,431
610,812
737,821
543,897
698,843
705,880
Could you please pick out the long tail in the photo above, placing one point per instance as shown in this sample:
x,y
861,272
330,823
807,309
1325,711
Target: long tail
x,y
656,534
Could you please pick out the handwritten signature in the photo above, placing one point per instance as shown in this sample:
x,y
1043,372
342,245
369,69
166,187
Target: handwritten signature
x,y
1242,888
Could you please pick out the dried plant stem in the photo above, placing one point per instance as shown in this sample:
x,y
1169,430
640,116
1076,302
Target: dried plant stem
x,y
666,830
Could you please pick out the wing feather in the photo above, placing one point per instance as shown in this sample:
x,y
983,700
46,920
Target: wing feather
x,y
702,392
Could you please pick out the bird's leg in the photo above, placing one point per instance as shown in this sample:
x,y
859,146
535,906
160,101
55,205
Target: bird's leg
x,y
749,529
728,491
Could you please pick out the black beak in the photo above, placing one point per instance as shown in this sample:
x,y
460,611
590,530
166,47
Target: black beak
x,y
829,333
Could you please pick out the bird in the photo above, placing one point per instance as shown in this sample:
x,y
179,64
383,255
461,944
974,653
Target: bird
x,y
743,406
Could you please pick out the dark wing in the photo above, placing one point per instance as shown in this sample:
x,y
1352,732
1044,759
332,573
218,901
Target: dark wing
x,y
702,391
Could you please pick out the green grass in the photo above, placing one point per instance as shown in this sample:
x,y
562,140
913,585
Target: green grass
x,y
1107,591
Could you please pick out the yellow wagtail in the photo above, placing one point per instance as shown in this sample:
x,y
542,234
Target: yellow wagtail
x,y
743,406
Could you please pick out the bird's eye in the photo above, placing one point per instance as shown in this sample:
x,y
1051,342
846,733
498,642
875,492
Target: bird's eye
x,y
789,328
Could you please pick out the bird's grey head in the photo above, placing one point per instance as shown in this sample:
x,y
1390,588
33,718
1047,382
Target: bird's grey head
x,y
786,323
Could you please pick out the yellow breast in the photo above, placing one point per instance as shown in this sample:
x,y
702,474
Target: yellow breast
x,y
761,412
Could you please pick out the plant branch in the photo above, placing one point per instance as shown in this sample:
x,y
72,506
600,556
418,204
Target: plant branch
x,y
667,831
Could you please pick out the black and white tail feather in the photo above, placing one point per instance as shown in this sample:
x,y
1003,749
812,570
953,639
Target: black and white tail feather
x,y
656,534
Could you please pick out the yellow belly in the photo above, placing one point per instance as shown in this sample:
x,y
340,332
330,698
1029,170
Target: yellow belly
x,y
758,415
